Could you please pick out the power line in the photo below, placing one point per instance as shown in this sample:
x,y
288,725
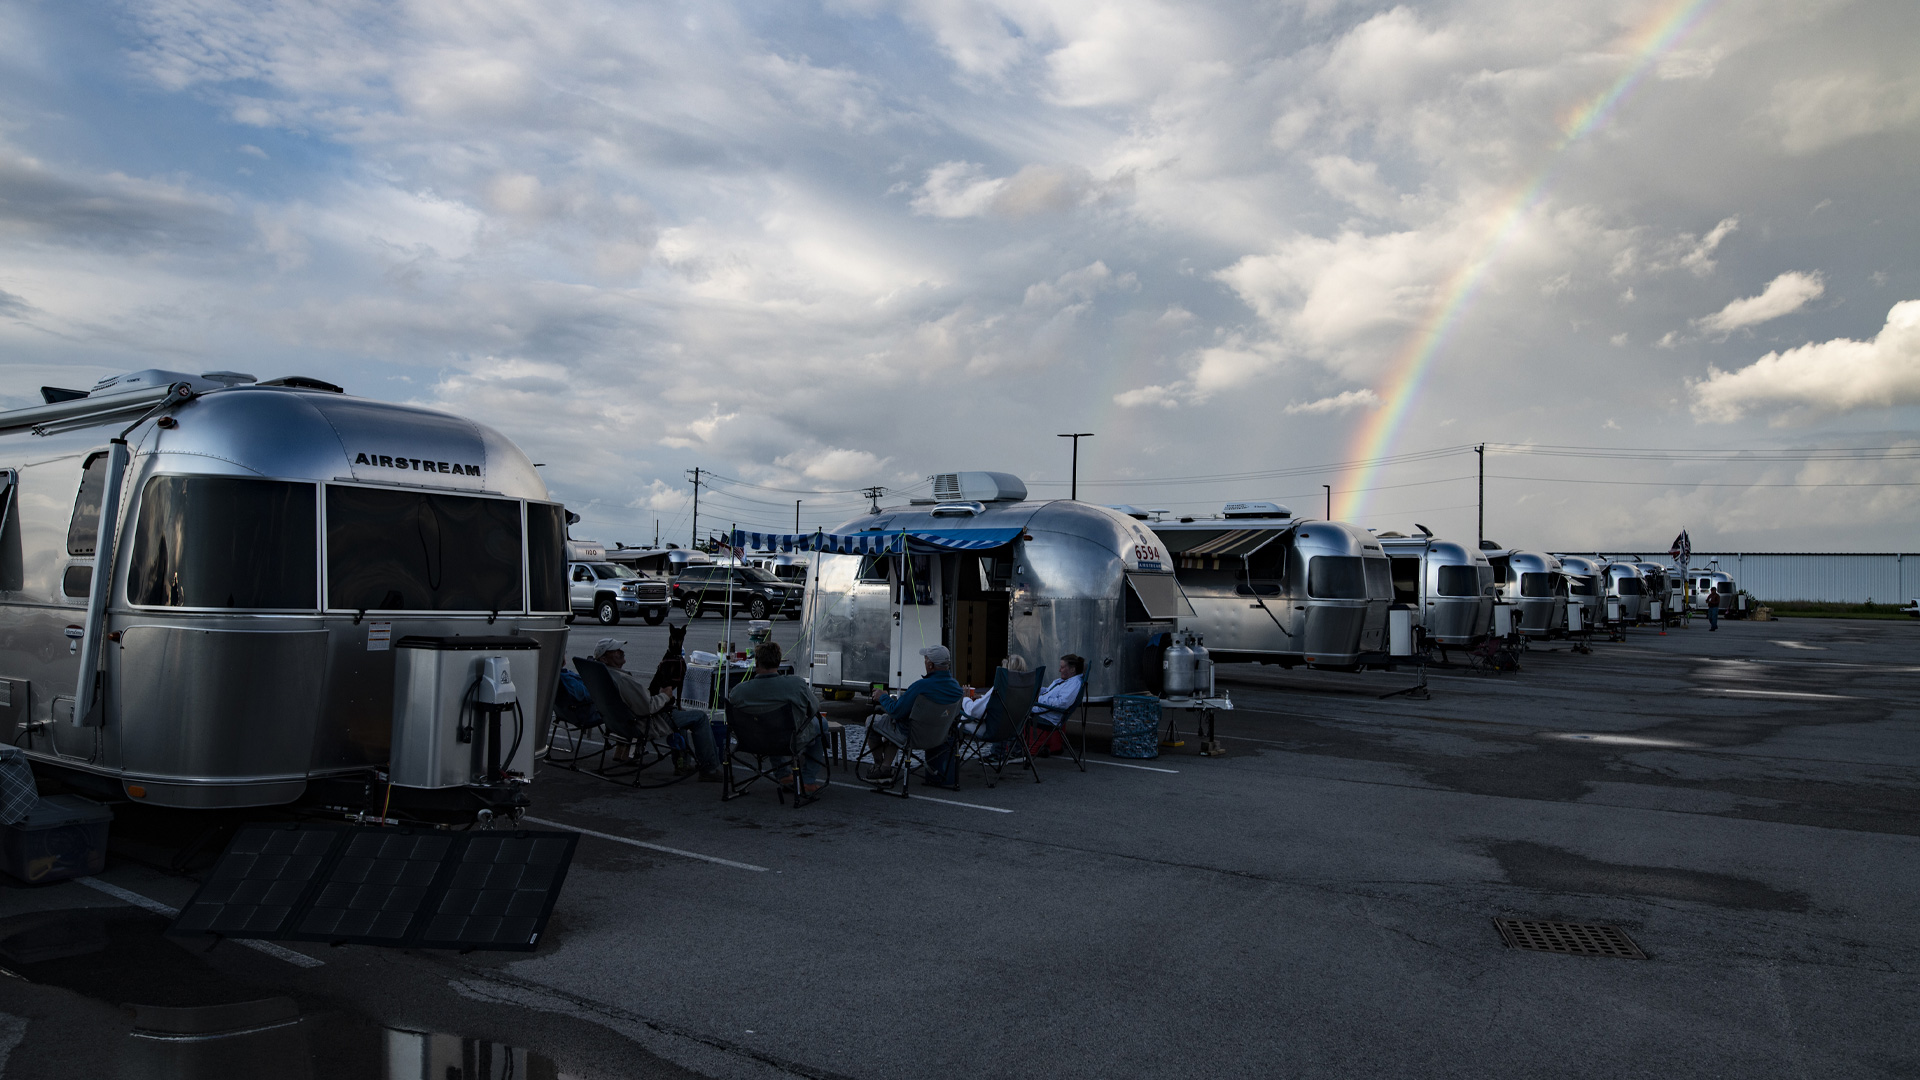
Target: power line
x,y
1840,453
1687,484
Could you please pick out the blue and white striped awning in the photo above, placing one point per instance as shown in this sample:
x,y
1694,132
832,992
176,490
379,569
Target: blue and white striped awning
x,y
888,542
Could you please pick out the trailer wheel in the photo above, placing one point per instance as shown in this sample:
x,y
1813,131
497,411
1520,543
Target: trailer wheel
x,y
693,607
607,611
757,609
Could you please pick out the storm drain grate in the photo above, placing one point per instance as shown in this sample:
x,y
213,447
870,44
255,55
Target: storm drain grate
x,y
1574,939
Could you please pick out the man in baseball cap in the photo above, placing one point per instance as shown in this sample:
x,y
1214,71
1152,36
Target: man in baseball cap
x,y
891,727
647,705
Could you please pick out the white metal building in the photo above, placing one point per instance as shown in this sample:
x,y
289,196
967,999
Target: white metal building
x,y
1829,577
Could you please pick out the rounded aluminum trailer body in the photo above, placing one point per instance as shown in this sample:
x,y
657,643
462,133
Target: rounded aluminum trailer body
x,y
1262,607
1660,586
1454,594
1586,587
226,706
1066,590
1538,589
1628,585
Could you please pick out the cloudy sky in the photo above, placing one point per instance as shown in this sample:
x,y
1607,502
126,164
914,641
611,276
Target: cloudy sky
x,y
816,246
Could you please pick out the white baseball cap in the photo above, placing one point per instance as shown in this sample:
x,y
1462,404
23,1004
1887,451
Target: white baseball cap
x,y
606,645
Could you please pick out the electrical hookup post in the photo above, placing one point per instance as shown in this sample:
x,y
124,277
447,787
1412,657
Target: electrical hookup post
x,y
1682,553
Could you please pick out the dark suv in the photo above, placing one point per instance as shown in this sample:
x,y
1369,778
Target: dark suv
x,y
756,593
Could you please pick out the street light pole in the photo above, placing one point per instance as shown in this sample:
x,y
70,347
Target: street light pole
x,y
1074,490
796,515
1481,450
1329,488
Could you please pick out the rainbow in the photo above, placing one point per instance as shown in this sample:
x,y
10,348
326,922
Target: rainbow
x,y
1408,371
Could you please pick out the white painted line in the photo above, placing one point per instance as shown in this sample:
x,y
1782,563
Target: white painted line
x,y
1801,645
1620,740
954,802
134,898
1777,694
630,842
1124,765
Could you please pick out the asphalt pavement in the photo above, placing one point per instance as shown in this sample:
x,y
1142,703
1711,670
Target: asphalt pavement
x,y
1317,903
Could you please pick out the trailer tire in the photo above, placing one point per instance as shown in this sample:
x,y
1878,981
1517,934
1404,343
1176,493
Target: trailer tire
x,y
606,611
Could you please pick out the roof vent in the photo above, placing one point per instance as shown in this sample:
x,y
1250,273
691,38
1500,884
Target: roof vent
x,y
958,509
302,382
978,487
1255,510
1488,545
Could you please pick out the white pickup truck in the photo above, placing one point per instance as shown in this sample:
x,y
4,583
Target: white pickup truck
x,y
610,592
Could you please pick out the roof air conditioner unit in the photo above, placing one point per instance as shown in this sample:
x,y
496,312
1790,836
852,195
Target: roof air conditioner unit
x,y
1256,510
983,487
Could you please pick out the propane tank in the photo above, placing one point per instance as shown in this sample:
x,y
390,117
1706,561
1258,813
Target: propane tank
x,y
1176,667
1502,619
1202,669
1613,609
1575,623
1655,613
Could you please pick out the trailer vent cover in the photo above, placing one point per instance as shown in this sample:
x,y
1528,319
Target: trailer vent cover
x,y
417,888
1575,939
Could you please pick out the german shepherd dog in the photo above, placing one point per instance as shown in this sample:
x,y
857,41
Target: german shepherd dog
x,y
672,670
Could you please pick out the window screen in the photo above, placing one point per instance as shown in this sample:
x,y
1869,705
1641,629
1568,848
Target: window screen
x,y
1336,577
84,530
224,542
547,556
1160,595
421,551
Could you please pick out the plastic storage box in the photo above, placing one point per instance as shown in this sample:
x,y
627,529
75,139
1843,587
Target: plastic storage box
x,y
63,836
1136,726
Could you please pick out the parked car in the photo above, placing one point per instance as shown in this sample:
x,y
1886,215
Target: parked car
x,y
755,592
610,592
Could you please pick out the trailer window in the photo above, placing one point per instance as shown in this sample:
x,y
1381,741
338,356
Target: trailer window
x,y
1460,581
1537,584
421,551
1585,586
1406,580
873,568
84,530
1502,568
547,556
1336,577
1379,579
1630,586
224,542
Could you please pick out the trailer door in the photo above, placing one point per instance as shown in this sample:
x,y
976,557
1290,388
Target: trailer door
x,y
917,611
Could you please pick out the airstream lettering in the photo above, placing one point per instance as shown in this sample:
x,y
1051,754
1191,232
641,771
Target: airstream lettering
x,y
234,585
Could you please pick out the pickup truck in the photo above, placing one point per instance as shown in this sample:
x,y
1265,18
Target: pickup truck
x,y
610,592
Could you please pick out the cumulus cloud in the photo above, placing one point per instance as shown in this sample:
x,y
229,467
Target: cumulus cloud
x,y
1344,401
1783,295
835,465
1826,377
1808,115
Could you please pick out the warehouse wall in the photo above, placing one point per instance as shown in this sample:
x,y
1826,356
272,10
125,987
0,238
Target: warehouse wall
x,y
1840,578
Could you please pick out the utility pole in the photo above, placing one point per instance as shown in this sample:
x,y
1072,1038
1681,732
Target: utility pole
x,y
1074,490
694,541
1482,451
1329,488
874,493
656,533
796,515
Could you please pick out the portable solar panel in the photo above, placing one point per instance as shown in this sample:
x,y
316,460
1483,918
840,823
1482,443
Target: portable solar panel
x,y
383,886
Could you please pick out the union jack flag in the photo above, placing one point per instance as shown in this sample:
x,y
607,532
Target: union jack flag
x,y
1682,550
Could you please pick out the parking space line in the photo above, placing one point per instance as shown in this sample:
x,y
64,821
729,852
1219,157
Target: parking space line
x,y
128,896
1776,693
1124,765
630,842
956,802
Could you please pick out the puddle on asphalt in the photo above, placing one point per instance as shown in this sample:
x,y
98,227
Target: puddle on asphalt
x,y
184,1018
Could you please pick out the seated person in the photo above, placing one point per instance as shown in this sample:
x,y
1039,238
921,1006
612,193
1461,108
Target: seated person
x,y
1058,696
645,705
891,727
766,686
974,708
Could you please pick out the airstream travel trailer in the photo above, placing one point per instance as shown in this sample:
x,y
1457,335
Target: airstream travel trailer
x,y
1537,586
989,575
217,593
1586,588
1448,586
1660,587
1270,588
1700,581
1625,583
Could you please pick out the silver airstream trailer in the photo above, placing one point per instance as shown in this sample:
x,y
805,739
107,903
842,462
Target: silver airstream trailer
x,y
989,575
1448,586
1586,588
1700,581
1267,587
1537,586
1660,584
1628,585
217,593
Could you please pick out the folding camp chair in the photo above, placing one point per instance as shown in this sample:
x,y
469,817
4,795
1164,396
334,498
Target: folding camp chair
x,y
619,726
929,726
1011,702
1035,722
762,734
578,717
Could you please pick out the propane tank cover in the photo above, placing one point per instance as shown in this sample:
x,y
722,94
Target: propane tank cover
x,y
496,683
